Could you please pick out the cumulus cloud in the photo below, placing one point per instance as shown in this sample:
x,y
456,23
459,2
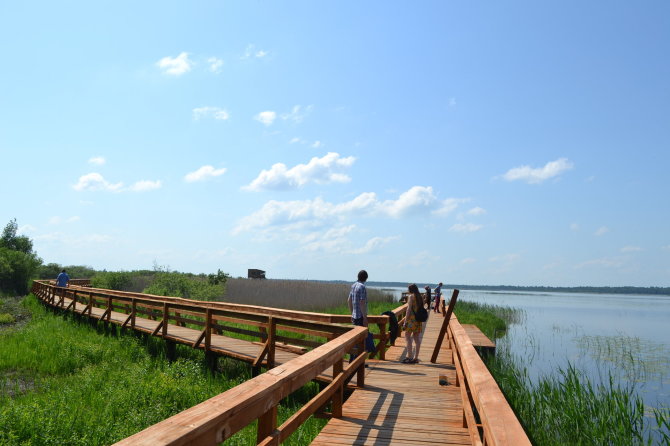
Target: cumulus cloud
x,y
175,66
317,144
266,117
145,185
372,245
465,227
602,231
204,173
97,161
416,200
94,182
215,64
476,211
327,169
214,112
449,205
540,174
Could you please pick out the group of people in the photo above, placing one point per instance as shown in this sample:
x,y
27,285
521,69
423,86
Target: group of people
x,y
358,305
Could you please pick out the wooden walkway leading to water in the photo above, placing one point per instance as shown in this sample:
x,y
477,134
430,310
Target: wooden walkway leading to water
x,y
392,403
404,404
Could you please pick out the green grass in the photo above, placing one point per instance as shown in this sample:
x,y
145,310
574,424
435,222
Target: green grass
x,y
6,318
567,408
66,382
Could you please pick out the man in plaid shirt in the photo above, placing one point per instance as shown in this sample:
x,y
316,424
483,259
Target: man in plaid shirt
x,y
358,300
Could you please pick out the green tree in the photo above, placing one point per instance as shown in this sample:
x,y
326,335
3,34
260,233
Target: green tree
x,y
18,262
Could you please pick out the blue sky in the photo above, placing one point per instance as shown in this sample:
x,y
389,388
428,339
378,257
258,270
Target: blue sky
x,y
518,143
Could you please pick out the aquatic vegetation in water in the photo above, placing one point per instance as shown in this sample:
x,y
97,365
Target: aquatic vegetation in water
x,y
639,360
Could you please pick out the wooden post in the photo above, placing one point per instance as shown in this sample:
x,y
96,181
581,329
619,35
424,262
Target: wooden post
x,y
272,328
133,313
445,324
267,423
360,373
74,302
338,396
382,341
210,356
166,313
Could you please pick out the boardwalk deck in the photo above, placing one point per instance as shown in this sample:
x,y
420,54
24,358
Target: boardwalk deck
x,y
403,403
236,348
478,338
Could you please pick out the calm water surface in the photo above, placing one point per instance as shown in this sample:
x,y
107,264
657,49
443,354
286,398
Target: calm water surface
x,y
627,336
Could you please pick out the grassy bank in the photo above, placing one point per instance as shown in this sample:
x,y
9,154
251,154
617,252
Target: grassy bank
x,y
66,382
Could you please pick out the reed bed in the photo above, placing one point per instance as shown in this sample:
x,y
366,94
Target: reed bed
x,y
301,295
566,407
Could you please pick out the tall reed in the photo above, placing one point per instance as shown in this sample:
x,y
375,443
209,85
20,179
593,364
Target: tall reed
x,y
294,294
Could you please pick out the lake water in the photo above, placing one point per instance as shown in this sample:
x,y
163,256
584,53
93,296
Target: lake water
x,y
627,336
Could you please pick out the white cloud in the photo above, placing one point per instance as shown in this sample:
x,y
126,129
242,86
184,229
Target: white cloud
x,y
477,211
468,260
204,173
297,114
665,248
251,52
605,262
465,227
631,249
95,182
215,64
295,140
372,245
214,112
327,169
417,200
540,174
97,161
602,231
317,144
145,185
452,102
574,227
418,197
26,229
449,205
175,66
266,117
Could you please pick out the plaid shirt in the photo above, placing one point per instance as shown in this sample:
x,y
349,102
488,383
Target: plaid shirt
x,y
359,297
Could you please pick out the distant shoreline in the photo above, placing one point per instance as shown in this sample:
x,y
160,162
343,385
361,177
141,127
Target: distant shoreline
x,y
662,291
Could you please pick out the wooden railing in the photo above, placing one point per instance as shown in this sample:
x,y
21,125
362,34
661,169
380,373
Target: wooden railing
x,y
487,414
218,418
272,330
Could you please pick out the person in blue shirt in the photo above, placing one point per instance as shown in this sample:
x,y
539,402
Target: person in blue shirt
x,y
63,279
438,295
358,300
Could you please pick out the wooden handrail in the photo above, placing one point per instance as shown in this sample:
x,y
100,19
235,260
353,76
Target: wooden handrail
x,y
499,423
218,418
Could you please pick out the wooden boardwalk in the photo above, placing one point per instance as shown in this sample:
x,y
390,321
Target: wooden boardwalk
x,y
448,398
403,404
